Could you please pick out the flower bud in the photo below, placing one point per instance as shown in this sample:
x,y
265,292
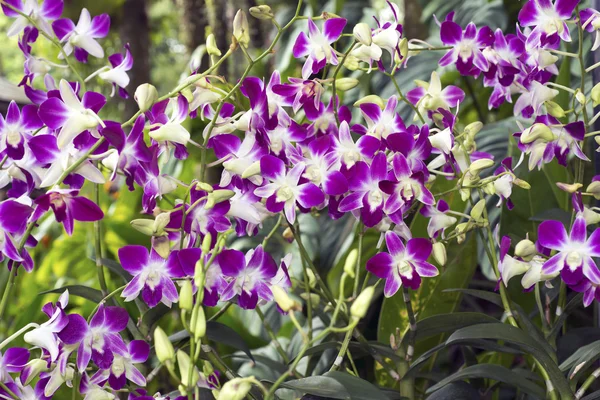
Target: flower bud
x,y
463,227
360,306
554,109
344,84
350,264
184,363
145,226
522,184
32,369
371,99
160,223
199,324
477,210
253,169
352,63
241,32
525,249
218,196
263,12
207,243
211,46
145,96
569,187
591,217
199,273
163,347
595,94
473,129
186,296
161,245
362,34
478,165
235,389
311,298
288,234
594,189
537,131
439,253
312,280
580,97
403,46
170,132
283,300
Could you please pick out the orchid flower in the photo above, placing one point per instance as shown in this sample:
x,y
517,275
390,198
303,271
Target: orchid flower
x,y
430,96
42,14
16,128
81,38
403,265
466,47
317,45
549,18
380,124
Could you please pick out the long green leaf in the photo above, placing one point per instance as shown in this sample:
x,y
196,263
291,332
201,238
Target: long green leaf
x,y
79,290
495,372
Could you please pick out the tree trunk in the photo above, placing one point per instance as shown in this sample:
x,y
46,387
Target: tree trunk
x,y
135,30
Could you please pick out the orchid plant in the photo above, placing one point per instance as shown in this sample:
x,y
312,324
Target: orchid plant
x,y
415,192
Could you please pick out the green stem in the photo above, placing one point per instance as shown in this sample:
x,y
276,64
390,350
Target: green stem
x,y
587,383
333,86
361,234
403,98
98,246
271,334
343,349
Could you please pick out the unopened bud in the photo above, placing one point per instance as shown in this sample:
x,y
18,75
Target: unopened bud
x,y
312,280
403,46
479,165
350,264
477,210
161,245
537,131
145,96
554,109
170,132
145,226
235,389
241,32
439,253
184,362
253,169
595,94
594,189
473,128
199,273
200,324
372,98
352,63
186,296
283,300
218,196
211,46
344,84
311,298
160,223
288,234
521,183
204,186
362,34
525,249
580,97
569,187
32,369
360,306
263,12
163,347
207,243
462,227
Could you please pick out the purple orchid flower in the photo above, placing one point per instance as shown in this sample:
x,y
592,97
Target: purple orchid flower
x,y
239,156
131,151
575,251
154,183
403,265
365,194
298,92
41,14
13,360
81,38
466,46
285,189
67,208
123,368
406,188
116,74
46,336
380,124
414,145
13,220
282,138
590,20
152,274
504,57
549,18
71,115
317,45
17,128
100,339
245,207
251,276
439,219
431,97
166,118
350,152
323,118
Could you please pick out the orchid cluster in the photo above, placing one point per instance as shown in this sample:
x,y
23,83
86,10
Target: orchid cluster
x,y
283,147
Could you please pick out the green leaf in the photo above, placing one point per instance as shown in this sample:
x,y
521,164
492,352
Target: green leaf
x,y
225,335
592,396
337,385
569,308
564,78
510,334
495,372
79,290
443,323
582,358
116,268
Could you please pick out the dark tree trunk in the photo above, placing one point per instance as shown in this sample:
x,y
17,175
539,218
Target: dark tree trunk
x,y
195,21
135,30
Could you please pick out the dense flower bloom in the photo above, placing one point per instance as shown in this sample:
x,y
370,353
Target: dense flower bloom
x,y
403,265
549,18
123,368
